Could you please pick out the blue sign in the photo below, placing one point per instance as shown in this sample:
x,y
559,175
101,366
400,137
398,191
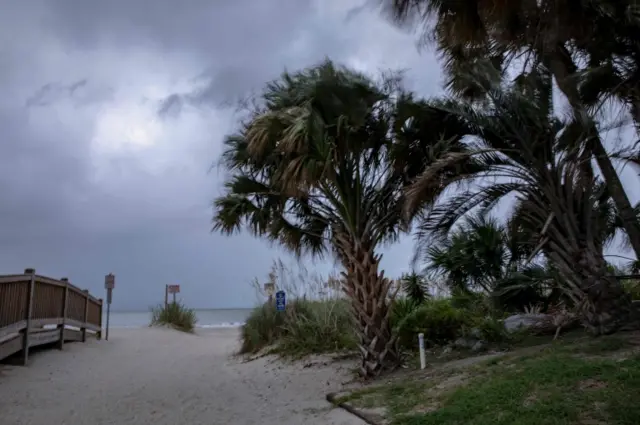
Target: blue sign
x,y
281,300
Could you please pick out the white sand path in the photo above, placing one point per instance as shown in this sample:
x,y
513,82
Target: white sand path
x,y
164,377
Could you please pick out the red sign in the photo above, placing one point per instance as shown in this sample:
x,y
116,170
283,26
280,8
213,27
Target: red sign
x,y
109,281
173,289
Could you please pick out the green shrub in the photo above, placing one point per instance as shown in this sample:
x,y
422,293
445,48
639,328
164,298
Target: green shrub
x,y
262,328
317,327
438,320
475,303
401,308
176,315
491,328
305,327
632,287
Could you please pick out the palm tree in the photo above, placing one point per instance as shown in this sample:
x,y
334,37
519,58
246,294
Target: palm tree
x,y
415,287
473,257
524,150
315,169
549,35
482,255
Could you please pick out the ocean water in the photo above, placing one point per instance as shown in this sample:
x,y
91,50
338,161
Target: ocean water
x,y
209,318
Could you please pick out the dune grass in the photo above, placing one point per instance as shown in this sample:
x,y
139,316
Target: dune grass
x,y
175,315
317,319
305,327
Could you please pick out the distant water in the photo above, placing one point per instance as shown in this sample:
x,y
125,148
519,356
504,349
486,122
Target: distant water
x,y
210,318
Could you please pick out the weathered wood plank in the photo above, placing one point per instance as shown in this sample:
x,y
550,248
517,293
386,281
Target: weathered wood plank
x,y
38,323
11,329
26,334
13,278
63,313
43,336
10,344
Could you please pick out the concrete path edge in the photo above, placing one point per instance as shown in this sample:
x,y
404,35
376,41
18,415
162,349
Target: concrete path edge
x,y
332,398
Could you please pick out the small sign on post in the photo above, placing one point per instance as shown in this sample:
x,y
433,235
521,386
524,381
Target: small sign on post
x,y
281,300
109,284
173,289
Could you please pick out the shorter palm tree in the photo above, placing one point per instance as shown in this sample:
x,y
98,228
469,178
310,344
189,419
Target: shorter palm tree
x,y
482,255
471,258
415,287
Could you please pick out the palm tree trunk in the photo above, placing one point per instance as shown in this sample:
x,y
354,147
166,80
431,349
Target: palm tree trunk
x,y
604,306
609,307
562,67
368,291
619,196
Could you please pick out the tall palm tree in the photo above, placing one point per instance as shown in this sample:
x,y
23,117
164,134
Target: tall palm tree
x,y
315,169
524,152
554,35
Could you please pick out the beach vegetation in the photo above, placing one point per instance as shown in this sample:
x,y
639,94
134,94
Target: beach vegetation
x,y
175,315
580,381
305,327
438,320
317,318
415,287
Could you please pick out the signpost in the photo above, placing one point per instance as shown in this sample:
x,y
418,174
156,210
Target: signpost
x,y
281,300
170,289
109,284
423,362
269,288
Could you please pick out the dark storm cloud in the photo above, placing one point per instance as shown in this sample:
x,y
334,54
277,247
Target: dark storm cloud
x,y
52,92
91,180
171,106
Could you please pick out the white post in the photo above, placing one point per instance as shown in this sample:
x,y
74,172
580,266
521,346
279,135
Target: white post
x,y
423,361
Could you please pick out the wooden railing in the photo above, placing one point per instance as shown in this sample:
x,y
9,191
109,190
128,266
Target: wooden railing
x,y
37,310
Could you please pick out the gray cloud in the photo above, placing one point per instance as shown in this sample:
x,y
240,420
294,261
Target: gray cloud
x,y
112,113
171,106
52,92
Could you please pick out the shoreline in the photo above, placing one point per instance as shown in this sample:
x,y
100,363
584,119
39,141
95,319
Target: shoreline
x,y
206,318
160,376
233,325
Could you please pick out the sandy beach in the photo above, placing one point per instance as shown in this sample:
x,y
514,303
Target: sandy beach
x,y
164,377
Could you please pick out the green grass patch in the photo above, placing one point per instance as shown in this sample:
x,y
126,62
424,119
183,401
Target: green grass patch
x,y
603,345
176,315
552,386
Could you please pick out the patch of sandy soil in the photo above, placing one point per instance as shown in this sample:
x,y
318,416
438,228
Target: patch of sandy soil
x,y
164,377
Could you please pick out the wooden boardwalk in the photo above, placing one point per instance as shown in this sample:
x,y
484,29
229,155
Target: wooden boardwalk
x,y
37,310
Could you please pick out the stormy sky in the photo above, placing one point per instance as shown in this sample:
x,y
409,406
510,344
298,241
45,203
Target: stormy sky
x,y
112,113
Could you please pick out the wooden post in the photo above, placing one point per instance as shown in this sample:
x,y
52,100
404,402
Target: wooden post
x,y
166,296
86,315
99,333
63,313
29,313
